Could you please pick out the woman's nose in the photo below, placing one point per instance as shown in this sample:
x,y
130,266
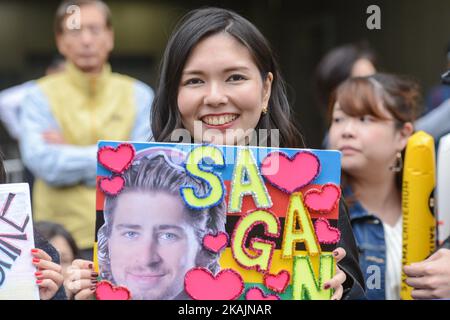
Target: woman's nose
x,y
215,96
348,128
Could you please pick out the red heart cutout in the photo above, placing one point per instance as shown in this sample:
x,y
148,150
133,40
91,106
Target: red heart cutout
x,y
325,233
323,200
111,186
200,284
105,290
289,174
215,243
256,293
117,159
278,282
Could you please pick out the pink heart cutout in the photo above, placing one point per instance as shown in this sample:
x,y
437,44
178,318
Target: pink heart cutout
x,y
117,159
215,243
200,284
106,291
256,293
278,282
289,174
111,186
323,200
325,233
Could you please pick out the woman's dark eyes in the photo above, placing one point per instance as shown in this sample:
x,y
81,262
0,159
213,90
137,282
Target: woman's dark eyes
x,y
366,119
236,77
337,119
193,81
232,78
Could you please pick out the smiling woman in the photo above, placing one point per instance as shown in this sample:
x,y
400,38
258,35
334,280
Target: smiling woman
x,y
216,90
217,71
218,74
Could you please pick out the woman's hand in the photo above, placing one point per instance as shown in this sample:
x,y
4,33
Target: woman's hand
x,y
49,274
431,277
81,280
339,278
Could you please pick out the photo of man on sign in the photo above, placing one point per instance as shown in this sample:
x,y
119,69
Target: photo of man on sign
x,y
150,239
208,222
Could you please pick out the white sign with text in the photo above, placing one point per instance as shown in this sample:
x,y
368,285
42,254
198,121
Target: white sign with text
x,y
17,280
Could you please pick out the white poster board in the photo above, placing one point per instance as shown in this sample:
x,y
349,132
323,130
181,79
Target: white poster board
x,y
443,189
17,279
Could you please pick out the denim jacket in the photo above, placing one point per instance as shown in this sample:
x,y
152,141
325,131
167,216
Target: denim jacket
x,y
369,234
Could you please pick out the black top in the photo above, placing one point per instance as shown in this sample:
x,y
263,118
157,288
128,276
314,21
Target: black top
x,y
354,287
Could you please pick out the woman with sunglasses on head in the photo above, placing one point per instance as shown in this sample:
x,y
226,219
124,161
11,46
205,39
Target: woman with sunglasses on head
x,y
219,82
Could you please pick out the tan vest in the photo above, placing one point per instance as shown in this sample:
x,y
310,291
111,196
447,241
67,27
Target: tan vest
x,y
87,108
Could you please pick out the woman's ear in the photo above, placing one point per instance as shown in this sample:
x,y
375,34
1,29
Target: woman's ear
x,y
110,40
404,133
267,89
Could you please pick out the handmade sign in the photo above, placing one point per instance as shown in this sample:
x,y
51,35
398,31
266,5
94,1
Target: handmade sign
x,y
17,280
419,223
187,221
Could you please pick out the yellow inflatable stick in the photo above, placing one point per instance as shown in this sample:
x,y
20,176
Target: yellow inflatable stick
x,y
419,223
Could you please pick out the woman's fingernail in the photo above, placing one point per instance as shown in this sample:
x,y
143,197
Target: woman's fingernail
x,y
38,281
326,287
34,250
38,274
93,288
36,260
90,266
335,253
94,281
94,275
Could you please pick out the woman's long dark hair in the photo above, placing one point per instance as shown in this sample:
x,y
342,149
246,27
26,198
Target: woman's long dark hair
x,y
190,30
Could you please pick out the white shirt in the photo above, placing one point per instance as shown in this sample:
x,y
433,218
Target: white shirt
x,y
393,239
10,104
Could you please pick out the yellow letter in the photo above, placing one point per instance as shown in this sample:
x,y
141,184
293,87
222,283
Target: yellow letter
x,y
263,248
305,285
306,234
246,180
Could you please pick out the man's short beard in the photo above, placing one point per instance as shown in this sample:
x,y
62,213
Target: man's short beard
x,y
169,294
